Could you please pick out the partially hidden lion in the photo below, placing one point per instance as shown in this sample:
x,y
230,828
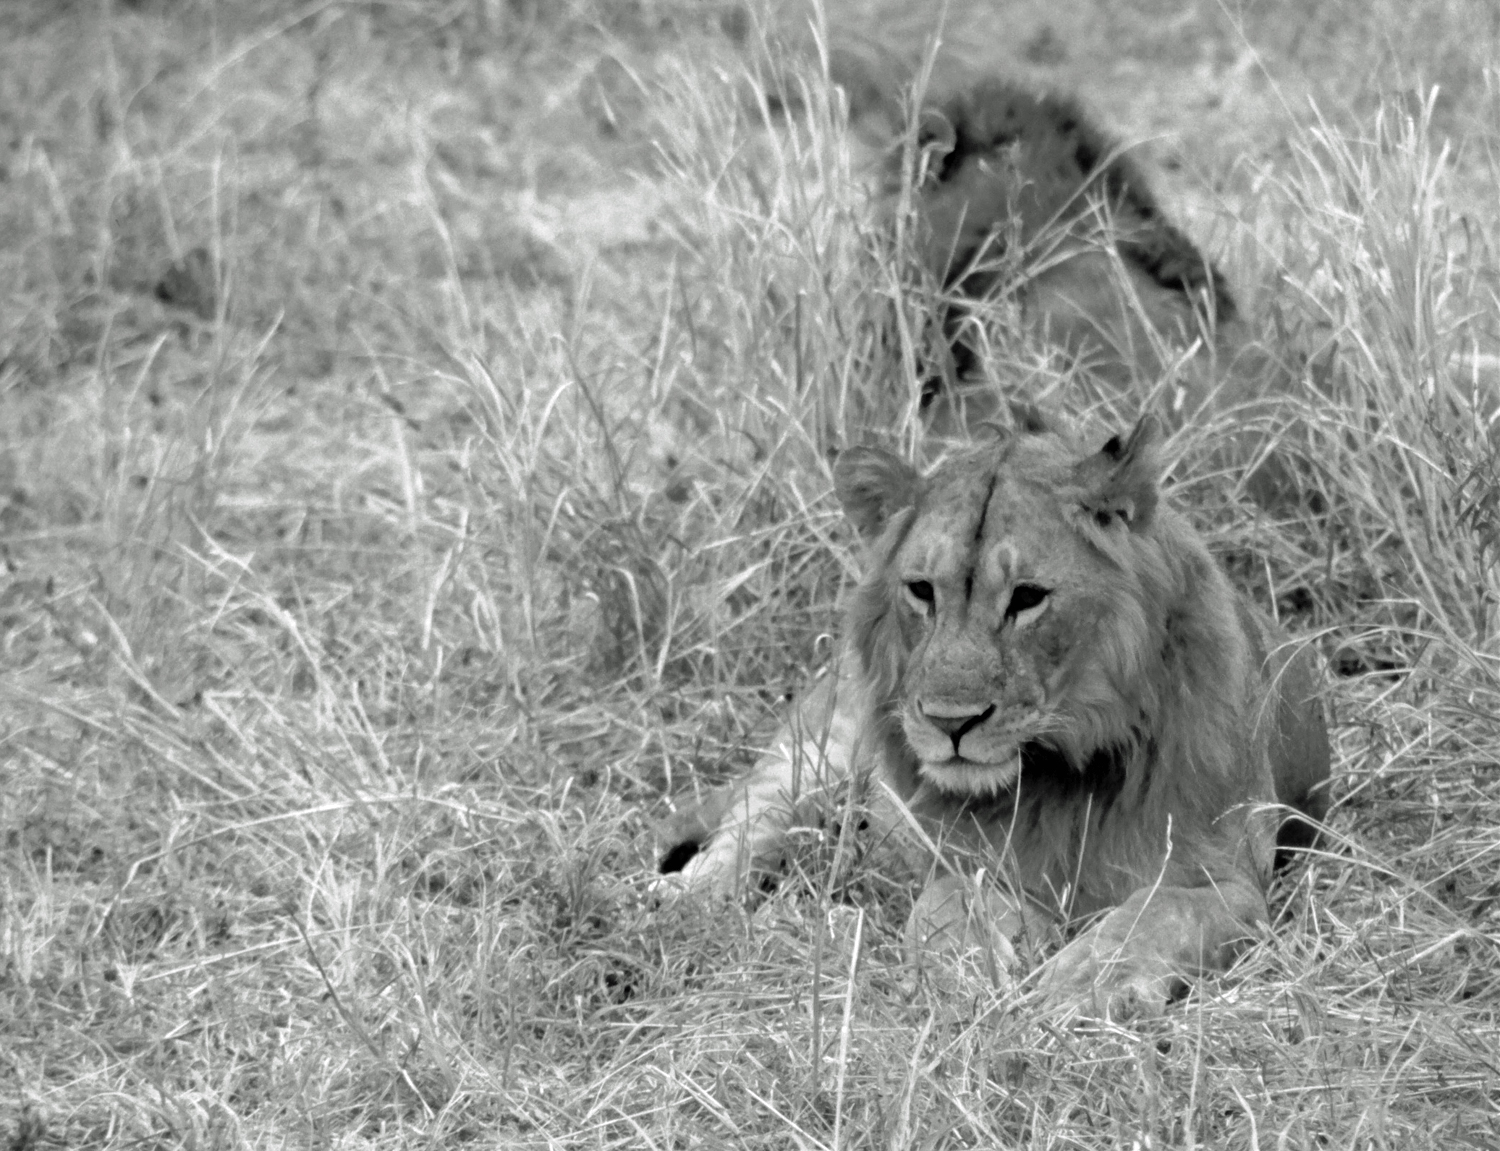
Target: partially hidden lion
x,y
1020,193
1044,664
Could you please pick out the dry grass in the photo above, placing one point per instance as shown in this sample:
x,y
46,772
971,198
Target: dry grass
x,y
467,493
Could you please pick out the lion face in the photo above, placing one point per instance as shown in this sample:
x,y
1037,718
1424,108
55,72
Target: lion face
x,y
1005,601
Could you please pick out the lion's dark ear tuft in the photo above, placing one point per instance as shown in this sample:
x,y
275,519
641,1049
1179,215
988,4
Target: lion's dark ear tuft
x,y
1030,420
873,486
935,131
1121,483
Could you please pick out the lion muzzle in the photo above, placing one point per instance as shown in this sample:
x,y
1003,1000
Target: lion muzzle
x,y
955,721
963,746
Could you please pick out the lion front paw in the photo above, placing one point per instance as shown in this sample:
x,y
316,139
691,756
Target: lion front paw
x,y
1082,982
717,870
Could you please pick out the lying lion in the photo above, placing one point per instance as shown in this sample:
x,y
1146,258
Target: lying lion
x,y
1022,195
1046,666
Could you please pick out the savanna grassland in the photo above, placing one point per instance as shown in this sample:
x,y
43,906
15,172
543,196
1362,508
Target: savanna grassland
x,y
415,431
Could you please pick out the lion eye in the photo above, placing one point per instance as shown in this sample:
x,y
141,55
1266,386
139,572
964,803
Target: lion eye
x,y
921,594
1024,597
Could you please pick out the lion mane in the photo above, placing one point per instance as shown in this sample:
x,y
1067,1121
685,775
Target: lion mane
x,y
1045,665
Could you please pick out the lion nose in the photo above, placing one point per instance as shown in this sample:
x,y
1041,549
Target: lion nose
x,y
955,723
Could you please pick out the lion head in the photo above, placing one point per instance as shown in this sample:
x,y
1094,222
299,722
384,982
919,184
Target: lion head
x,y
1032,607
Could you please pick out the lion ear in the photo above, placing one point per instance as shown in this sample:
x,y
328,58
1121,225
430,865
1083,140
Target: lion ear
x,y
1030,420
936,133
873,486
1120,483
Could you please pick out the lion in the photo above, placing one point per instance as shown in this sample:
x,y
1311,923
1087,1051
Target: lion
x,y
1046,667
1021,193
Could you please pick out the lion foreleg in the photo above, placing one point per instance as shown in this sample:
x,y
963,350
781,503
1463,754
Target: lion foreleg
x,y
1142,954
740,831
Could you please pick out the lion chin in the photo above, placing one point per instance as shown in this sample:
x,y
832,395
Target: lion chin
x,y
965,777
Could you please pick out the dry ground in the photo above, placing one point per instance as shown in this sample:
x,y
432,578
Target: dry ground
x,y
415,422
